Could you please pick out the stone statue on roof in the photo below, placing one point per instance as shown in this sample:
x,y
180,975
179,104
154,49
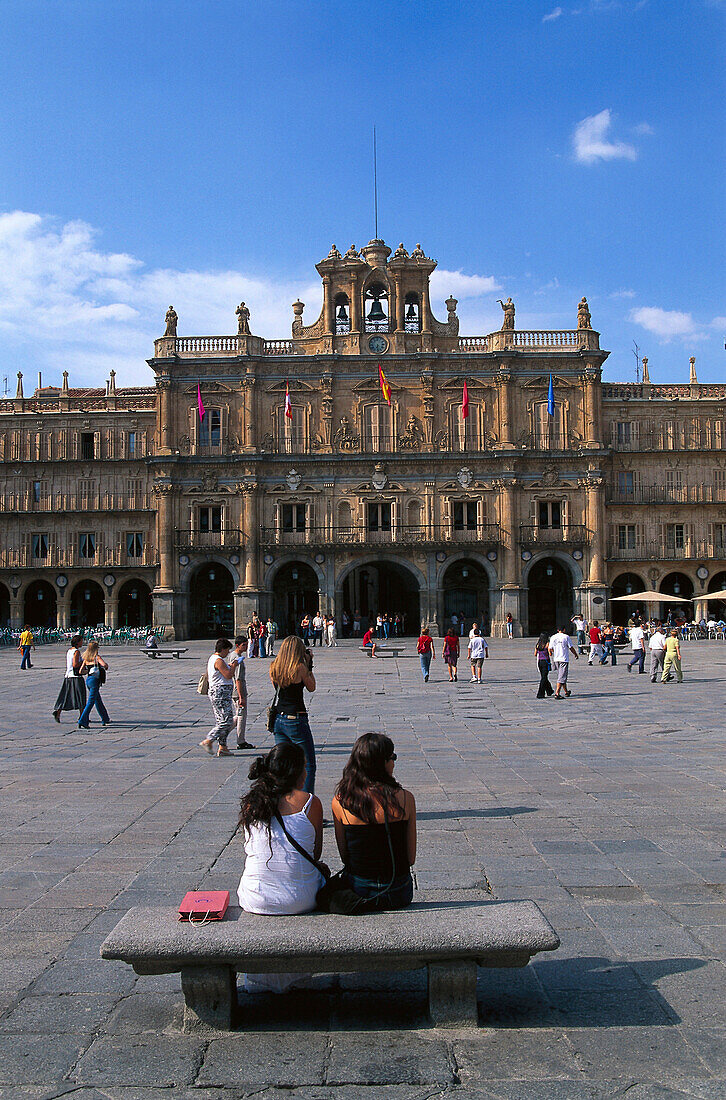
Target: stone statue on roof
x,y
508,321
243,324
171,320
583,314
418,253
334,254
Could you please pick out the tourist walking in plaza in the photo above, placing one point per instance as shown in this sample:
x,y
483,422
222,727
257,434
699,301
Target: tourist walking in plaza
x,y
318,629
542,657
291,672
560,647
72,695
510,625
478,652
425,650
239,690
252,638
272,629
672,658
657,649
637,641
221,686
277,878
25,644
595,643
608,645
94,667
305,628
375,825
581,629
450,653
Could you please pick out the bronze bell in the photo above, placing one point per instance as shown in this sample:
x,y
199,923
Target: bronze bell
x,y
411,312
376,312
342,313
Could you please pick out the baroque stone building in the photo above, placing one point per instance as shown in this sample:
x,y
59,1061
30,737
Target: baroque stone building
x,y
123,505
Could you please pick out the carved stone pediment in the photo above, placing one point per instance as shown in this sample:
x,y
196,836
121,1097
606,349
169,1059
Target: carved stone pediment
x,y
209,387
457,384
544,381
295,384
372,385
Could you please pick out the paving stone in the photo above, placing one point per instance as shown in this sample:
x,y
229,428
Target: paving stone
x,y
248,1060
388,1058
657,1055
69,1012
37,1059
140,1060
520,1054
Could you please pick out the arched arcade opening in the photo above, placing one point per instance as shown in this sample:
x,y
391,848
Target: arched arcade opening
x,y
676,584
550,596
386,587
4,606
40,604
717,608
465,587
294,595
88,605
211,601
626,584
134,604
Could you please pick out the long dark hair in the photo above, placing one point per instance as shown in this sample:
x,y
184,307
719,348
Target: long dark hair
x,y
543,641
365,783
272,777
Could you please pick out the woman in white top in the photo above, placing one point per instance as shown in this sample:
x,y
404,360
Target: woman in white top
x,y
277,879
72,695
221,686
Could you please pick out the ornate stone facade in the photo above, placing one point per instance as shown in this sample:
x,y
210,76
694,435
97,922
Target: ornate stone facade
x,y
352,504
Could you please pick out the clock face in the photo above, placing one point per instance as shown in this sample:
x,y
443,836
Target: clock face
x,y
378,344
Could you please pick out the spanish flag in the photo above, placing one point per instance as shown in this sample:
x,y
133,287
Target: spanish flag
x,y
385,388
288,402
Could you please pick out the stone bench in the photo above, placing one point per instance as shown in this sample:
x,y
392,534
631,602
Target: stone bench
x,y
450,938
163,653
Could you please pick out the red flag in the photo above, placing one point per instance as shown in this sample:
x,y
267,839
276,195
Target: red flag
x,y
288,402
200,403
385,388
465,402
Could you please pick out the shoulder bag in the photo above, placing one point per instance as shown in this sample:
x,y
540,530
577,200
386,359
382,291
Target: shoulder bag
x,y
203,685
272,712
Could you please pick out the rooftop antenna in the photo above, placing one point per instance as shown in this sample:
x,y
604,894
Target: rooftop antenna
x,y
636,353
375,182
5,385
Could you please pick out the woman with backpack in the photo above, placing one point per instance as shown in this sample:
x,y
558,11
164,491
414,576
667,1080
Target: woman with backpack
x,y
425,649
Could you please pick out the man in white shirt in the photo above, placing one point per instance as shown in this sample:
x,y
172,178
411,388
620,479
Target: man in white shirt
x,y
637,640
657,647
474,630
560,648
478,651
581,627
318,629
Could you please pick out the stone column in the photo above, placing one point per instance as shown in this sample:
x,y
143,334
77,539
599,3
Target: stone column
x,y
505,407
593,427
16,610
163,386
249,590
400,310
163,593
595,513
63,612
355,306
509,600
328,308
249,428
112,611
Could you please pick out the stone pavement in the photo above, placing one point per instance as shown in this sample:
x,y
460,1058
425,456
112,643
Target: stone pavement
x,y
607,808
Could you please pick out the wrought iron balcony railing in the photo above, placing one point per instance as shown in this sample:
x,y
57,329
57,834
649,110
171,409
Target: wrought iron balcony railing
x,y
227,539
570,534
483,535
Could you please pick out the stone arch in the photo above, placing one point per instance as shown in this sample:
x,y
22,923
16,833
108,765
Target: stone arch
x,y
211,598
550,581
40,604
288,559
465,591
88,604
4,605
134,603
620,612
295,584
480,559
189,570
382,583
559,555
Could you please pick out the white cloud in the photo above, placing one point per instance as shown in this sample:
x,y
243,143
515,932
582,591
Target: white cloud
x,y
443,283
555,14
590,141
665,323
622,294
643,129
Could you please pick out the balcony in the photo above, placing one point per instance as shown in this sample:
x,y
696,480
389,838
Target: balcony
x,y
654,550
228,539
571,534
666,494
23,503
59,557
485,535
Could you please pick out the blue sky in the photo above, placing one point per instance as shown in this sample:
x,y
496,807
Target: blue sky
x,y
203,151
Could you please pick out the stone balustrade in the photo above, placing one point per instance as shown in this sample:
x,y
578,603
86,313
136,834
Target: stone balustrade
x,y
69,557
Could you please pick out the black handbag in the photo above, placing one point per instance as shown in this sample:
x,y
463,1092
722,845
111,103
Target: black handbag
x,y
272,712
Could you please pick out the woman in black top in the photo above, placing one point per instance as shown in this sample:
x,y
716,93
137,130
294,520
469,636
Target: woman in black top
x,y
291,672
542,656
375,825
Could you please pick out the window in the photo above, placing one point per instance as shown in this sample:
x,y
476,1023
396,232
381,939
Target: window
x,y
379,517
626,536
548,429
291,432
294,517
135,544
87,545
675,536
88,446
719,536
674,481
40,546
377,422
464,512
132,444
134,487
463,432
210,429
40,489
210,519
624,432
626,483
549,513
86,490
719,480
412,313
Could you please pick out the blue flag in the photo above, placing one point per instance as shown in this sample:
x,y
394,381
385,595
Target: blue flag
x,y
551,398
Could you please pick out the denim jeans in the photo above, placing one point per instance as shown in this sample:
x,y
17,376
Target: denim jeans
x,y
397,897
25,663
638,659
608,650
94,700
425,663
296,731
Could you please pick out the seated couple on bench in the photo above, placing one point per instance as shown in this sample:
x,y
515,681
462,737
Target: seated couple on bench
x,y
375,830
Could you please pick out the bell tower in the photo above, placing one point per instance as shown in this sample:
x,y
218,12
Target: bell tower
x,y
376,303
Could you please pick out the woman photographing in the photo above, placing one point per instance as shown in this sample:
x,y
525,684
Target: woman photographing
x,y
375,825
291,673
